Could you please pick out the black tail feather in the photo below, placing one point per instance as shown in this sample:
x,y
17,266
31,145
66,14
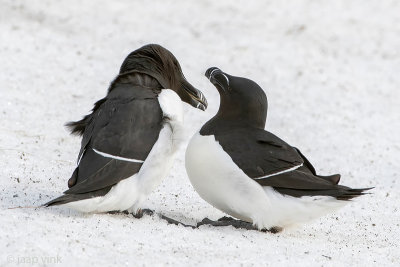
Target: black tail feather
x,y
64,199
352,193
78,127
340,192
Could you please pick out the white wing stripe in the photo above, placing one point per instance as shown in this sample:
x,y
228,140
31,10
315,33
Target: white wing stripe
x,y
79,160
277,173
116,157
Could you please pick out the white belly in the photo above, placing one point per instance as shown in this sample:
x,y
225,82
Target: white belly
x,y
130,193
220,182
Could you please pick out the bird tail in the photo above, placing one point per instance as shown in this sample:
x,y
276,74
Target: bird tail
x,y
64,199
78,127
351,193
339,192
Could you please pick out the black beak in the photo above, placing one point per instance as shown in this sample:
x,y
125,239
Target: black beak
x,y
218,78
195,97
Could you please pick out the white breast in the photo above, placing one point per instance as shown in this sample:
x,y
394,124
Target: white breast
x,y
220,182
130,193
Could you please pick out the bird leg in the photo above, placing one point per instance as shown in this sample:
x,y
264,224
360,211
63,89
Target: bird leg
x,y
139,213
238,224
228,221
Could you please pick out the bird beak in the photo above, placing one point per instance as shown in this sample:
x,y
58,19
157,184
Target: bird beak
x,y
194,96
218,78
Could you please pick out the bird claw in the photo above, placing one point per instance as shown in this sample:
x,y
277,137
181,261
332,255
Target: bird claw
x,y
140,212
148,212
273,230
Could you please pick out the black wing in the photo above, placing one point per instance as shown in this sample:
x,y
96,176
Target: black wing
x,y
126,124
272,162
309,168
258,152
297,183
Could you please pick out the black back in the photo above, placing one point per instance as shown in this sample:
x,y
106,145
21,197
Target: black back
x,y
126,123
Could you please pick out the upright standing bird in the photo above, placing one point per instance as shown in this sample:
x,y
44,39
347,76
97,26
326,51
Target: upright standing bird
x,y
131,136
251,174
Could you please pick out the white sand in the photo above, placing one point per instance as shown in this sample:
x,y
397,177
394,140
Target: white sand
x,y
331,73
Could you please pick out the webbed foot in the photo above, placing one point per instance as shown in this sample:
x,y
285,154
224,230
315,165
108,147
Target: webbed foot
x,y
238,224
227,221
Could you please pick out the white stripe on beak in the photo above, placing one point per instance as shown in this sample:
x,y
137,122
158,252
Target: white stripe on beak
x,y
212,73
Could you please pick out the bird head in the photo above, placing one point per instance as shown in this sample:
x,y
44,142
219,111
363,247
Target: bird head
x,y
242,100
159,63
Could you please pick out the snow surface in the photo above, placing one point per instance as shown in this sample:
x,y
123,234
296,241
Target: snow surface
x,y
331,73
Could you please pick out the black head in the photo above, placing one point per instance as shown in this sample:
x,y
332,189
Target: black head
x,y
161,64
242,100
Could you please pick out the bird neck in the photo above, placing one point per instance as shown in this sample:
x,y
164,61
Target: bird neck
x,y
222,123
139,79
243,113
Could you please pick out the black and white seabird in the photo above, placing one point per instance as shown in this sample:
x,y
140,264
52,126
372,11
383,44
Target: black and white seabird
x,y
130,138
251,174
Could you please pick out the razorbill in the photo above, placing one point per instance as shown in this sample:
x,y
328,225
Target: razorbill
x,y
130,138
251,174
